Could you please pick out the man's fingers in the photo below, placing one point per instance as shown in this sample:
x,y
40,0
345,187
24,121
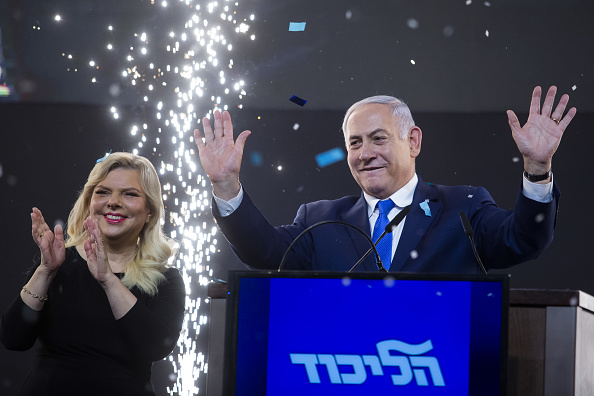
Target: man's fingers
x,y
560,109
548,102
227,125
240,143
198,138
535,103
208,132
218,124
513,121
567,119
223,127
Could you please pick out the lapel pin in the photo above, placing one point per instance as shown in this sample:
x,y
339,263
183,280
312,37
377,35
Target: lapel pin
x,y
425,206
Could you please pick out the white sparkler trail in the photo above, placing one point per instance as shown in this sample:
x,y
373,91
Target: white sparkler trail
x,y
182,74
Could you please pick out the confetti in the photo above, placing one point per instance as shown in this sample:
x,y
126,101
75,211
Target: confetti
x,y
296,26
104,157
256,158
330,157
297,100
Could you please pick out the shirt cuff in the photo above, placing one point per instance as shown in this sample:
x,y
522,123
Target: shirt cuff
x,y
538,192
227,207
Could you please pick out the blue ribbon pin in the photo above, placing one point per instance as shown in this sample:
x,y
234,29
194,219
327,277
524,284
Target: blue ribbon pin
x,y
425,206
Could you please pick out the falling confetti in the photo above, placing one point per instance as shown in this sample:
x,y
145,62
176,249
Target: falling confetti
x,y
256,158
297,26
330,157
297,100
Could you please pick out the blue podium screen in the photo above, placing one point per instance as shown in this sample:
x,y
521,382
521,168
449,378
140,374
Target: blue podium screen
x,y
352,336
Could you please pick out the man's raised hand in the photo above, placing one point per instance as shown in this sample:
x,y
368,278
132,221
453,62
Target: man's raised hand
x,y
220,154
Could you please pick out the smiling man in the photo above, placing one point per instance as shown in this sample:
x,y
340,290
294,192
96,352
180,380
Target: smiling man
x,y
381,153
383,143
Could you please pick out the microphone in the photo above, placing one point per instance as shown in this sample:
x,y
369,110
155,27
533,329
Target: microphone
x,y
468,230
311,227
389,228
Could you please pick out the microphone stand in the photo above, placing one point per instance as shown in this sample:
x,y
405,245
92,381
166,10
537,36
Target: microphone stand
x,y
377,257
391,225
469,233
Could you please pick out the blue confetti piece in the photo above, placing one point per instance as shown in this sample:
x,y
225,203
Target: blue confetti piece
x,y
104,158
256,158
296,99
296,26
330,157
425,206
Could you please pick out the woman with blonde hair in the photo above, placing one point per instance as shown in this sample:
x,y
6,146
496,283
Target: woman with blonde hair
x,y
103,302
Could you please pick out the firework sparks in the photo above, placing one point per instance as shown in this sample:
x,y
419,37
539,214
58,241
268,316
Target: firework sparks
x,y
182,75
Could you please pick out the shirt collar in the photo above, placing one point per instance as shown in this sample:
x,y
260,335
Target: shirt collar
x,y
401,198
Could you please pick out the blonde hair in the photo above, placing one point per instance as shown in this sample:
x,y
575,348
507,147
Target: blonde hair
x,y
154,248
400,112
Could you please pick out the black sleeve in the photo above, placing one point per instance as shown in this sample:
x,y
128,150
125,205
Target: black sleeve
x,y
152,326
20,327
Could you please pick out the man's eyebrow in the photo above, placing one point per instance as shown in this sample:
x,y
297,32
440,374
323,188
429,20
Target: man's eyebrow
x,y
376,131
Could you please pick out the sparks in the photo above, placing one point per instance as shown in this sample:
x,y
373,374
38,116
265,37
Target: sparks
x,y
168,76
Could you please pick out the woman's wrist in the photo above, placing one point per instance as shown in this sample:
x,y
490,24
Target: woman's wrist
x,y
34,295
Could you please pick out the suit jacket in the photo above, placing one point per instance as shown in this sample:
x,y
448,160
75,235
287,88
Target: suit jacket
x,y
431,242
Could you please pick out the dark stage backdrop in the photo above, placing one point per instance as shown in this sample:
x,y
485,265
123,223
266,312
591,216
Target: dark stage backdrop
x,y
46,152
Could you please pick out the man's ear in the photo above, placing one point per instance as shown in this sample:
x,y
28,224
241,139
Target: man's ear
x,y
415,136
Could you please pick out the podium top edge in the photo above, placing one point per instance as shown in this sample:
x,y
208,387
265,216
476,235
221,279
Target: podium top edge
x,y
517,297
551,297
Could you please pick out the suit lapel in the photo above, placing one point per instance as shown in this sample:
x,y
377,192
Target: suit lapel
x,y
416,224
357,216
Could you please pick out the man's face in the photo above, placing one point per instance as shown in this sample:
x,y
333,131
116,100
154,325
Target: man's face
x,y
380,161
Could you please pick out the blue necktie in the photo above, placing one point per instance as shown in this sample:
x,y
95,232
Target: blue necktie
x,y
384,247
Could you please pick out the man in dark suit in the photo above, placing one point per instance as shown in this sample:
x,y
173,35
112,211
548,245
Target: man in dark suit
x,y
383,142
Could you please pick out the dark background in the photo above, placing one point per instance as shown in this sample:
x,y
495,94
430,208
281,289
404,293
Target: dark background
x,y
57,123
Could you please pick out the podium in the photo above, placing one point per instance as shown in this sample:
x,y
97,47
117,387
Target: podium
x,y
433,334
550,342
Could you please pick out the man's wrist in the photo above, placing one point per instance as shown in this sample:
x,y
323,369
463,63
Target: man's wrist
x,y
535,178
226,190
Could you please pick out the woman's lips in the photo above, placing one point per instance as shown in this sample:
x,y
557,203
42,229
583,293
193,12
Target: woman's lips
x,y
114,219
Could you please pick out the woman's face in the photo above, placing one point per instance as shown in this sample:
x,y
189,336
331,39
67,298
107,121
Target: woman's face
x,y
120,207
